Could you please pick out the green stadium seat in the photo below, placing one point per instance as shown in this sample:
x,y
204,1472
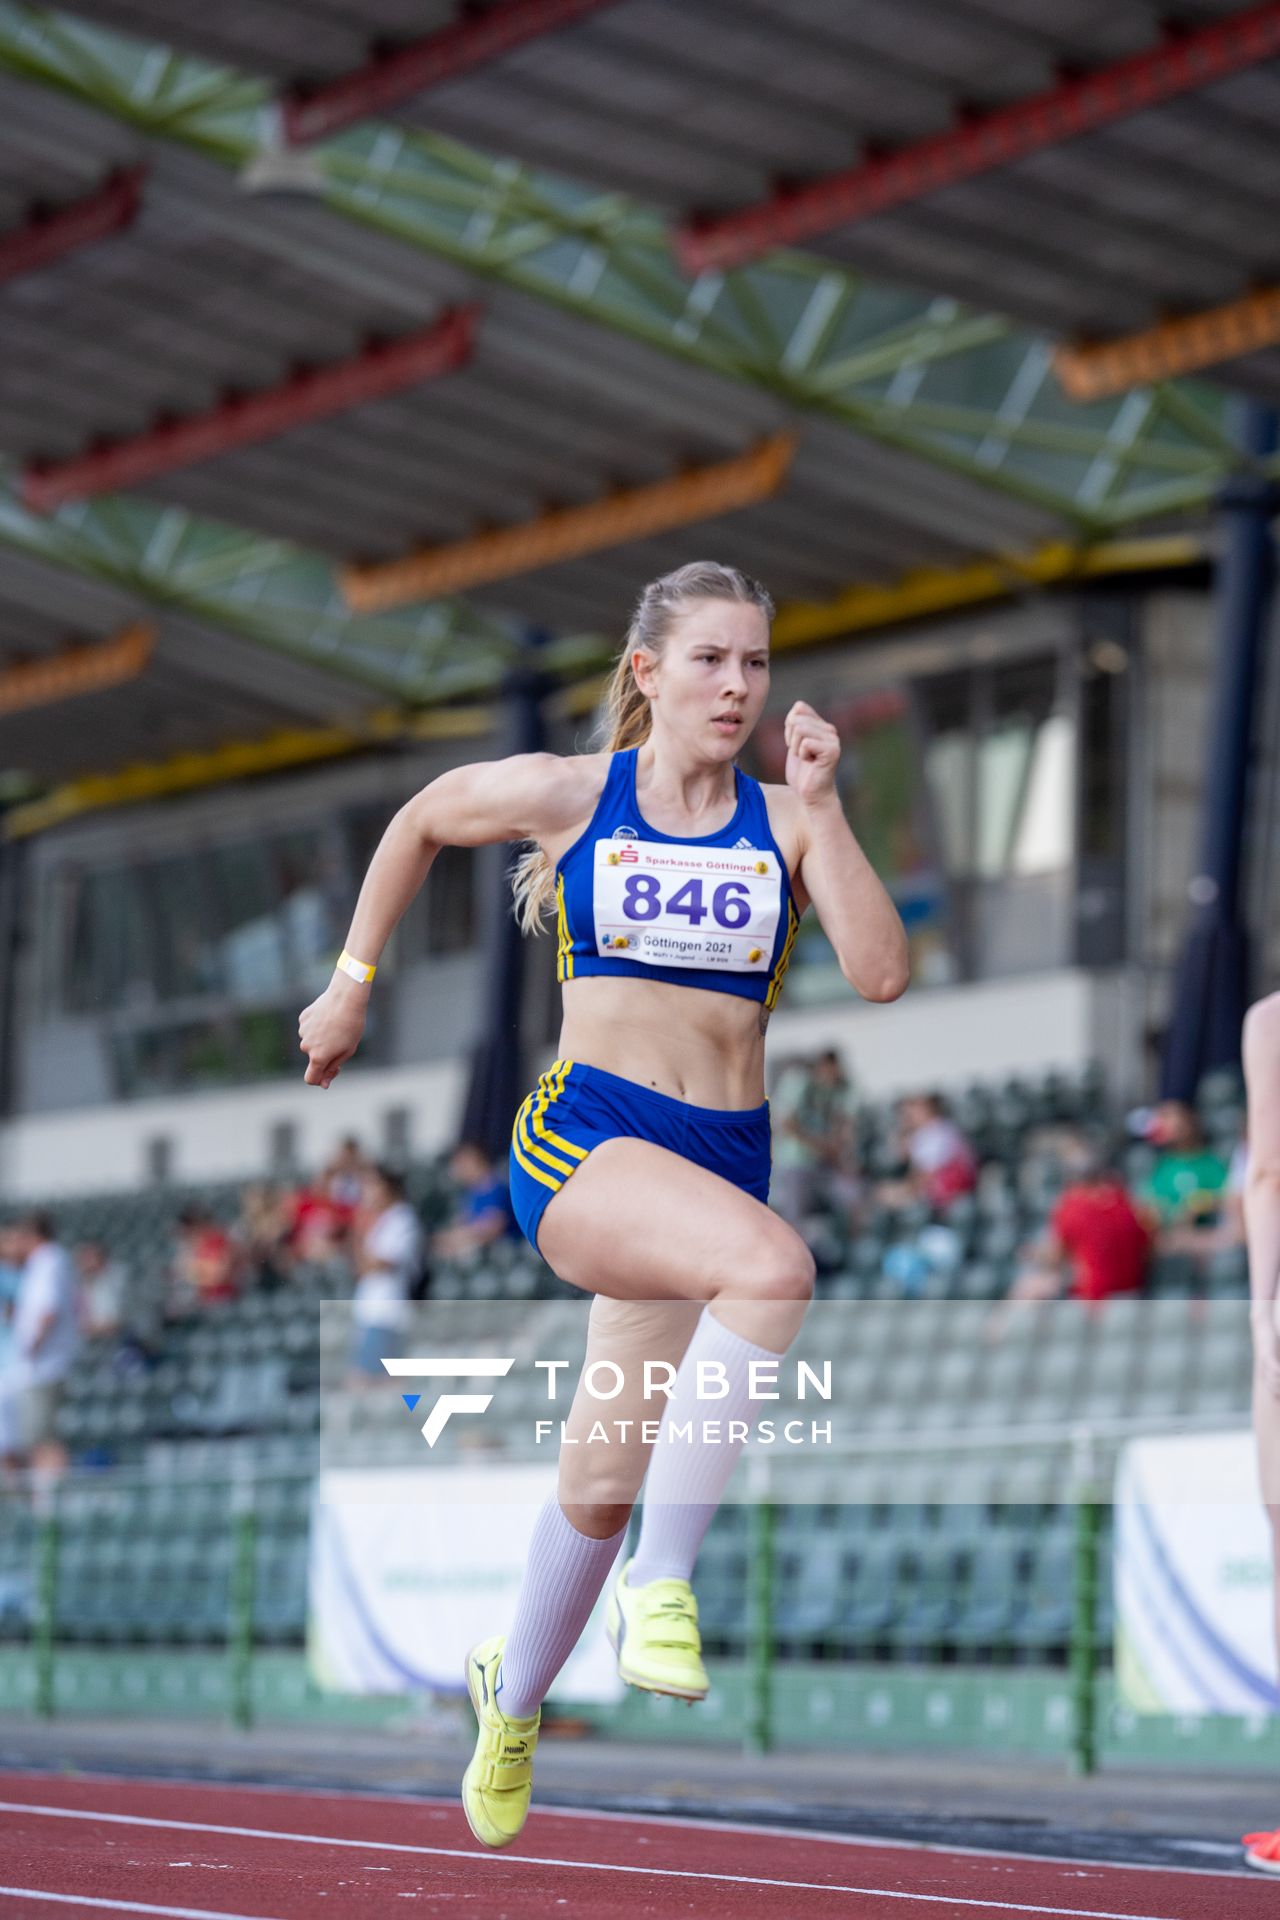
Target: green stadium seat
x,y
989,1596
927,1593
1043,1627
807,1583
868,1593
720,1583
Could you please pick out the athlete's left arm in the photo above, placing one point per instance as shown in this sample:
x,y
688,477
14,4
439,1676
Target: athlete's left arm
x,y
855,912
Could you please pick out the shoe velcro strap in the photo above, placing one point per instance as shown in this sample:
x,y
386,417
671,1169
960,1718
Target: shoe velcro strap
x,y
682,1635
502,1776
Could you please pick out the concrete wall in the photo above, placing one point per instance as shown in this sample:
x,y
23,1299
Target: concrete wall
x,y
941,1038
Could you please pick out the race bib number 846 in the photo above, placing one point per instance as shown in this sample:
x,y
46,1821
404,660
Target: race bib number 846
x,y
683,906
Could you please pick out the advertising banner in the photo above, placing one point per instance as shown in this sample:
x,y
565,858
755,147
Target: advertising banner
x,y
1194,1620
401,1586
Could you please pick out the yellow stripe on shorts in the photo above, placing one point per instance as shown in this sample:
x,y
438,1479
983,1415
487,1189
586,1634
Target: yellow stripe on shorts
x,y
536,1172
551,1160
550,1087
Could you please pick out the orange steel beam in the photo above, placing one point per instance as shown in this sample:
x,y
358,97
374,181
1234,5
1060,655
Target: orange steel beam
x,y
83,669
1094,369
566,533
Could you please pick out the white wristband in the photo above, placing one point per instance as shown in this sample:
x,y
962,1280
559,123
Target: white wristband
x,y
356,968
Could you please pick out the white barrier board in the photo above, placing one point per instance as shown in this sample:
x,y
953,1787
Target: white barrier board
x,y
402,1585
1194,1622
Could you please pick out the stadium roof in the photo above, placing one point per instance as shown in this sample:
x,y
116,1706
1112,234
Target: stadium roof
x,y
478,309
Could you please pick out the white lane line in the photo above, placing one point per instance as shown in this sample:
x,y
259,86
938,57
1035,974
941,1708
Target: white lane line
x,y
578,1866
693,1822
126,1906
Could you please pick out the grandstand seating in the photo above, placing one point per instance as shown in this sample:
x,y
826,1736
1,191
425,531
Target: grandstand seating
x,y
900,1568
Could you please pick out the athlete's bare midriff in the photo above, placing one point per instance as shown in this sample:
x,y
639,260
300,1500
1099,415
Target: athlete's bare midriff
x,y
688,1042
707,1048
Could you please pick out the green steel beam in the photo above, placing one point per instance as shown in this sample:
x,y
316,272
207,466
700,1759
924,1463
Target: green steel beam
x,y
820,336
278,595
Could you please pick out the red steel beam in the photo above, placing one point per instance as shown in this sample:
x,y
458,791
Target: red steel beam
x,y
241,419
981,142
46,236
391,78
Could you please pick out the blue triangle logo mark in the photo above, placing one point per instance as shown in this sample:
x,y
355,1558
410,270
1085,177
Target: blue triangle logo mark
x,y
411,1400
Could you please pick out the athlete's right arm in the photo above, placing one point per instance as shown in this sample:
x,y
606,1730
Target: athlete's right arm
x,y
1262,1184
521,798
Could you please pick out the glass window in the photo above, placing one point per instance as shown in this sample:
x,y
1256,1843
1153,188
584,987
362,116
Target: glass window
x,y
177,891
451,902
311,890
1026,798
205,1053
250,947
113,952
270,1043
945,705
884,798
1043,841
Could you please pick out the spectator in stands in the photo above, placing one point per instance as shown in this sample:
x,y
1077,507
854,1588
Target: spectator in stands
x,y
46,1337
103,1285
265,1231
322,1222
389,1266
483,1210
940,1162
1096,1242
815,1151
206,1267
1185,1194
347,1172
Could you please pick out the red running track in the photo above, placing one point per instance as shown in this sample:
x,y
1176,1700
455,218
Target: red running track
x,y
91,1845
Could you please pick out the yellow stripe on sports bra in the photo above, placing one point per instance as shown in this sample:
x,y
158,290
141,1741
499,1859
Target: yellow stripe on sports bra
x,y
564,939
784,958
551,1086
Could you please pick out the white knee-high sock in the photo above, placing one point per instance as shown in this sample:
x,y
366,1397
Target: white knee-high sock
x,y
686,1479
562,1580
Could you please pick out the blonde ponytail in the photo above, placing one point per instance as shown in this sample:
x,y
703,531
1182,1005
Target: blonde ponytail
x,y
625,718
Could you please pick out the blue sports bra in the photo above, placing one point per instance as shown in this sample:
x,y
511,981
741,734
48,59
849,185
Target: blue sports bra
x,y
716,912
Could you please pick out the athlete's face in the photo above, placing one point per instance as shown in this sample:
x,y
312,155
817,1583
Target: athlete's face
x,y
712,679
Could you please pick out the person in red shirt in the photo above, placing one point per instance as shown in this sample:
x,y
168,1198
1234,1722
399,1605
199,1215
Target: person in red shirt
x,y
322,1221
206,1266
1096,1242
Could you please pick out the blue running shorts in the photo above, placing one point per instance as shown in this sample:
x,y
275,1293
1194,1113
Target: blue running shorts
x,y
574,1107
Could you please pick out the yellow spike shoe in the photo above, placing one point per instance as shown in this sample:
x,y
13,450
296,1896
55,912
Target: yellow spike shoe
x,y
497,1785
653,1629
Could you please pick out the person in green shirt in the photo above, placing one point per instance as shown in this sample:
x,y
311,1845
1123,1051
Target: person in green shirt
x,y
1185,1188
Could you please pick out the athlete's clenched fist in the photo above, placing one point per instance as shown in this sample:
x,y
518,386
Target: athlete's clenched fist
x,y
813,748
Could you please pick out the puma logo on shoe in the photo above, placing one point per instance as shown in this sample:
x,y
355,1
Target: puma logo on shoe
x,y
484,1684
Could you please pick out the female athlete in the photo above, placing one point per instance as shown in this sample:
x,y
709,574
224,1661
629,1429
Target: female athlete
x,y
640,1163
